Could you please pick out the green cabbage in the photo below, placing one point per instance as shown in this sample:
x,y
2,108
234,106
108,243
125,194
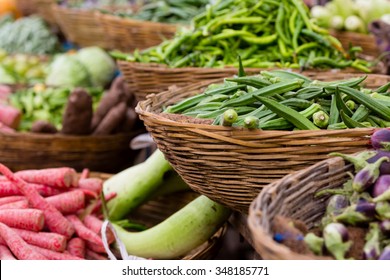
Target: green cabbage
x,y
99,64
67,70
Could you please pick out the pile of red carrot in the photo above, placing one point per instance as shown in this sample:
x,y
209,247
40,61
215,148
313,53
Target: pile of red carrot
x,y
50,214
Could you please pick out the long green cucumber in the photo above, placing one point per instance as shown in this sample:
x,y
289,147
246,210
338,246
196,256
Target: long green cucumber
x,y
135,185
180,233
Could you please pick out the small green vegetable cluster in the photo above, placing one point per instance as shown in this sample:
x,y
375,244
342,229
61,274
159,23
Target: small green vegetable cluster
x,y
167,11
282,100
48,104
265,33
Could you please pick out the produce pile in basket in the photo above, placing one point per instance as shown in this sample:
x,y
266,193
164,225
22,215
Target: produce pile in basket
x,y
166,11
356,223
282,100
264,33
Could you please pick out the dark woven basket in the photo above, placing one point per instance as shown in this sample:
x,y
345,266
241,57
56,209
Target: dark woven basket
x,y
293,197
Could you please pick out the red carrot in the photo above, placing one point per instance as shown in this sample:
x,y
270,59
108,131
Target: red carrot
x,y
10,199
93,184
89,193
76,247
18,246
68,202
6,129
21,204
5,253
30,219
48,240
95,247
91,255
63,177
95,224
84,232
10,116
84,174
107,198
8,188
53,255
55,221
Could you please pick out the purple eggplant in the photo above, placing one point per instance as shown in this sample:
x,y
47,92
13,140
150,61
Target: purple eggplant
x,y
385,254
385,167
366,208
371,249
383,197
352,217
381,185
380,139
385,226
367,176
336,239
337,203
315,243
359,161
383,210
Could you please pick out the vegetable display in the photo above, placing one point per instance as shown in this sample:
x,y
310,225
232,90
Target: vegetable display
x,y
73,111
52,216
264,33
282,100
351,15
167,11
28,35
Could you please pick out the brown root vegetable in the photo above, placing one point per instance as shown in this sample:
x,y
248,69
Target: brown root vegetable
x,y
129,122
43,127
113,97
10,116
78,113
112,120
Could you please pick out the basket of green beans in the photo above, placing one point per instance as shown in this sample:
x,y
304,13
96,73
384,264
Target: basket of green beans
x,y
265,34
229,138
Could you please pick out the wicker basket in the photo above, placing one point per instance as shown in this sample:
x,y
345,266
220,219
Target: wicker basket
x,y
366,41
81,26
26,7
231,165
128,34
100,153
293,197
44,9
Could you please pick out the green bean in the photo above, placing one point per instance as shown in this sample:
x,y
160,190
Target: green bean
x,y
256,82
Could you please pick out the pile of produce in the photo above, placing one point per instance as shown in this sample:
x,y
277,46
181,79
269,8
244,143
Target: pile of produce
x,y
50,214
69,111
28,35
264,33
282,100
21,68
87,67
166,11
351,15
356,223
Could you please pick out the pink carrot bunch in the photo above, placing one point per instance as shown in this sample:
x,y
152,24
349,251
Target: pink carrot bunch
x,y
44,214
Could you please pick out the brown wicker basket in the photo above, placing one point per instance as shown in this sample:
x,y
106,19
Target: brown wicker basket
x,y
100,153
231,165
366,41
26,7
81,26
128,34
44,9
293,197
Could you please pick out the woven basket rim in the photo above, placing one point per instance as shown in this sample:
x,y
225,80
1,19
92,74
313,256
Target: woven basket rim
x,y
137,21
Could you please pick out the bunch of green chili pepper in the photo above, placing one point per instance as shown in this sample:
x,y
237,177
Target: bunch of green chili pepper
x,y
265,33
283,100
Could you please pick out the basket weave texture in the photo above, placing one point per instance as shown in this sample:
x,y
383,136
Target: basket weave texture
x,y
44,9
231,165
293,197
33,151
81,26
366,41
129,34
